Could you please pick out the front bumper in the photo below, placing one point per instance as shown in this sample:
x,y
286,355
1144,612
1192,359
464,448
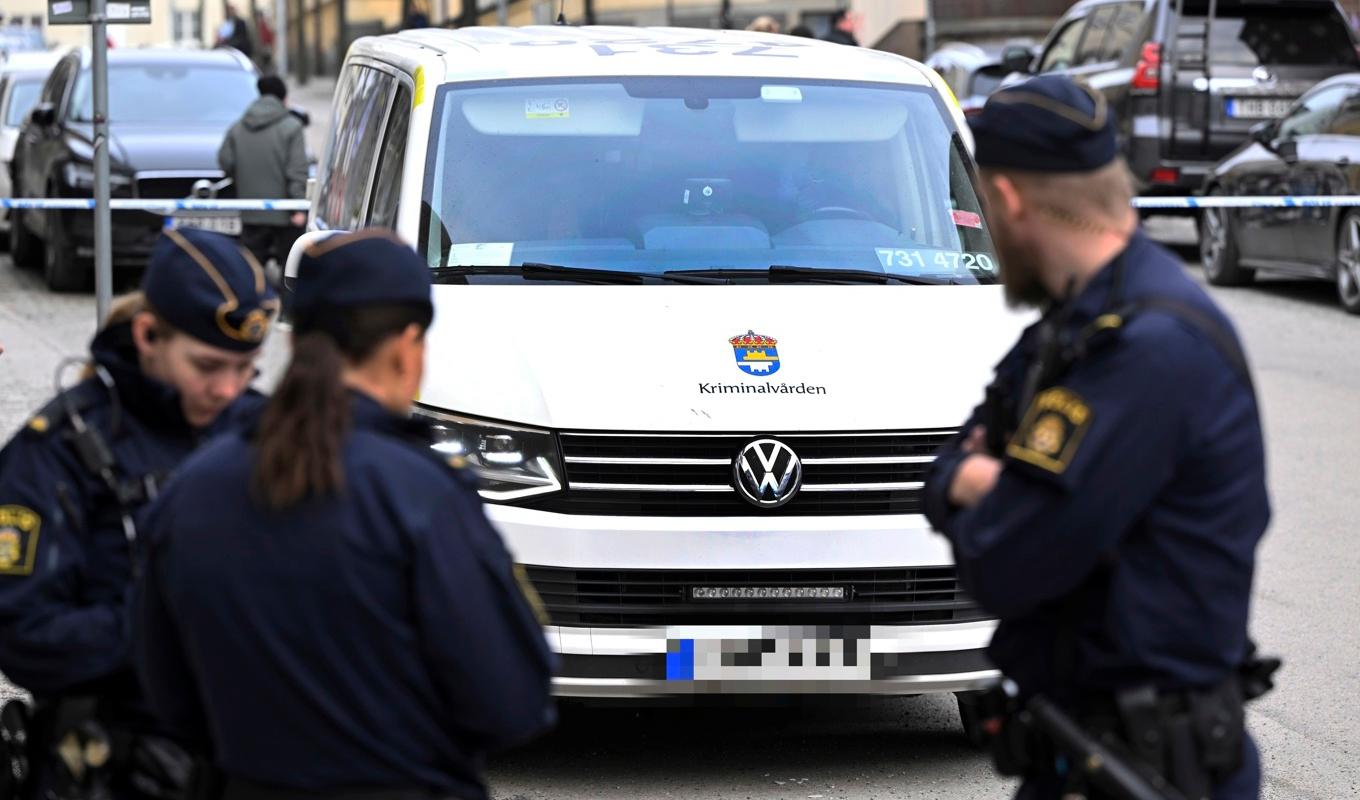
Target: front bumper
x,y
641,662
671,646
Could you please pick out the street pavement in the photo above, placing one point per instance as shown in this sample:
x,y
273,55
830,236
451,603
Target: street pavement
x,y
1306,354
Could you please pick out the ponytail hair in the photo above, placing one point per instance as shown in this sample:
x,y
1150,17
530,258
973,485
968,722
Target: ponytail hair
x,y
302,433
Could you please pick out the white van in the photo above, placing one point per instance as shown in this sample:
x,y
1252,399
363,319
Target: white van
x,y
706,303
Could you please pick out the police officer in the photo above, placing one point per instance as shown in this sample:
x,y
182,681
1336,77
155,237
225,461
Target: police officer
x,y
162,374
1106,501
325,603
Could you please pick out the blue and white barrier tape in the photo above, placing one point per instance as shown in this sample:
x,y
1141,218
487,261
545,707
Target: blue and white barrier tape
x,y
154,206
1266,201
171,206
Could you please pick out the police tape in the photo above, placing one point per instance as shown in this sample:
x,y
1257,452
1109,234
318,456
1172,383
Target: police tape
x,y
153,206
171,206
1255,201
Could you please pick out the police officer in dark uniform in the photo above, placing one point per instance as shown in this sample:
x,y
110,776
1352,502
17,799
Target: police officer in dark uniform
x,y
325,604
169,366
1106,500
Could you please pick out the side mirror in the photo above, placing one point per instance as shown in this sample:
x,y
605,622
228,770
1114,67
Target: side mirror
x,y
44,115
290,267
1288,149
1263,133
1017,59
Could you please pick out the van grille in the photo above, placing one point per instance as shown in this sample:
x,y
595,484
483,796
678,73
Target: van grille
x,y
896,596
691,475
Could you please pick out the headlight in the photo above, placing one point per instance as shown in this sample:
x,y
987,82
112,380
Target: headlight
x,y
512,462
79,175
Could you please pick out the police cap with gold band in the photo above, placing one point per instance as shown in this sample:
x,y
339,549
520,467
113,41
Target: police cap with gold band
x,y
345,271
210,288
1045,124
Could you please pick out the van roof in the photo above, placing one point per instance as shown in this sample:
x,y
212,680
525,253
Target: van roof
x,y
491,53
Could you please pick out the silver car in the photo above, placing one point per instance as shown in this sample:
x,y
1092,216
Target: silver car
x,y
21,80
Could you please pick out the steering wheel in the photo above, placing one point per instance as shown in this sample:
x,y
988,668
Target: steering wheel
x,y
837,212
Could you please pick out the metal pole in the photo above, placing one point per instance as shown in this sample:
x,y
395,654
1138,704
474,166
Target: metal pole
x,y
103,243
281,38
930,30
670,13
502,13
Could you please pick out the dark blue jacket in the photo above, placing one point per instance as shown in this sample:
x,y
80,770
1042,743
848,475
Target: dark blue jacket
x,y
1130,505
378,639
65,565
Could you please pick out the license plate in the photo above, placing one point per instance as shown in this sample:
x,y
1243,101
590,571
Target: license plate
x,y
228,225
1258,107
780,653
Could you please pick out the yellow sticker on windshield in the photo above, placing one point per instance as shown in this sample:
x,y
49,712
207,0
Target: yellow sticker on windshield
x,y
555,108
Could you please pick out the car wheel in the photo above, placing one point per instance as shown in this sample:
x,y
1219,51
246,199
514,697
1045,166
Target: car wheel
x,y
970,715
63,271
1348,262
24,247
1218,249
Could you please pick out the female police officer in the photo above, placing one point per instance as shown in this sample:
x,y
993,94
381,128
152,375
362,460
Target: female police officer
x,y
325,604
163,370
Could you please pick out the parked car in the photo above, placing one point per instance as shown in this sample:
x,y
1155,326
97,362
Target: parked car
x,y
747,478
1186,87
1313,150
168,112
973,71
21,80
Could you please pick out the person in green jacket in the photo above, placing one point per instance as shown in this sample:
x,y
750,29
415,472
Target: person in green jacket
x,y
265,155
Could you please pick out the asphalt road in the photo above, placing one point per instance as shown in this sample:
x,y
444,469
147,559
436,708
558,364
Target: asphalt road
x,y
1306,354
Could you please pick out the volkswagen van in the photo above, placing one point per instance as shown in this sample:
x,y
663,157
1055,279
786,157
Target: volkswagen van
x,y
707,302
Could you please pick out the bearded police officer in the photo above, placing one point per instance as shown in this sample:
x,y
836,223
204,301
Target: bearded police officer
x,y
1106,500
163,372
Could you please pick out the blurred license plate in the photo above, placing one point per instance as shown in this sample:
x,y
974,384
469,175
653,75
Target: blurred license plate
x,y
1258,108
779,653
231,226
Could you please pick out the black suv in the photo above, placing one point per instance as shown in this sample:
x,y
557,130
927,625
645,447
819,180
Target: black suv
x,y
168,113
1189,78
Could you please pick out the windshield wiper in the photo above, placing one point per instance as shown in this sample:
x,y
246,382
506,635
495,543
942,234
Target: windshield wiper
x,y
535,271
781,273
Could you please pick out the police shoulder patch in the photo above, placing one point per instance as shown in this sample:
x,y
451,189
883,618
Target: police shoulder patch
x,y
19,527
1052,430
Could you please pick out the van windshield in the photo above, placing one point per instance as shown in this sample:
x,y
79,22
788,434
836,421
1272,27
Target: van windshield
x,y
655,174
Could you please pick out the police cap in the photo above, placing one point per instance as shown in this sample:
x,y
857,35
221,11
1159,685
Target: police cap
x,y
1045,124
369,268
210,288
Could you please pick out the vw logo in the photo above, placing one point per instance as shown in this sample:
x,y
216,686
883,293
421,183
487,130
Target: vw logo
x,y
767,473
1263,75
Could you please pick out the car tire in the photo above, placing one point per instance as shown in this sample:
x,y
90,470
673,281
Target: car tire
x,y
970,716
1348,261
1218,249
63,271
24,248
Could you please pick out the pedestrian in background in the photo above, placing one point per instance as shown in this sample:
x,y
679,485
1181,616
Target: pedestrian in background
x,y
845,26
166,370
325,604
235,32
416,17
1106,501
264,39
265,155
764,24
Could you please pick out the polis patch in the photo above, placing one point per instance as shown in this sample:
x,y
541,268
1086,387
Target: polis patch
x,y
19,528
1051,430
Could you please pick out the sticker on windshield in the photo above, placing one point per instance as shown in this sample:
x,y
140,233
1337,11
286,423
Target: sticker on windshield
x,y
781,94
481,254
916,262
552,108
966,219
